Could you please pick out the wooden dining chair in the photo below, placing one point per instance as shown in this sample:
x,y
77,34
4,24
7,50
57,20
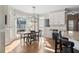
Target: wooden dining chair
x,y
65,45
32,36
26,37
57,41
54,32
62,41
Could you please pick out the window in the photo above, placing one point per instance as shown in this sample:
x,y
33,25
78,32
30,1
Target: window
x,y
47,23
21,24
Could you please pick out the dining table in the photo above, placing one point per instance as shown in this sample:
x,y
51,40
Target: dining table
x,y
28,34
22,34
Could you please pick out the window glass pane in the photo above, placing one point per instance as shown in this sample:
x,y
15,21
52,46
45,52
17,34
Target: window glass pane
x,y
46,22
21,23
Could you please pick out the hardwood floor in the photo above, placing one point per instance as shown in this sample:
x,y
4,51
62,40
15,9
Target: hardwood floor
x,y
45,45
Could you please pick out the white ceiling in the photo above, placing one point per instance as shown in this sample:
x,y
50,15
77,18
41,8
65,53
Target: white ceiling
x,y
41,9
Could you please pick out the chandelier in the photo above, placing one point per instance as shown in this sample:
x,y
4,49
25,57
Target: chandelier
x,y
35,18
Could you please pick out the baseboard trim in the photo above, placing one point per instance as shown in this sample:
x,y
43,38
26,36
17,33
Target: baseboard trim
x,y
11,42
48,38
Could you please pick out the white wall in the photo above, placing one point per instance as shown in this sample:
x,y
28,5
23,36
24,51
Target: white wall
x,y
10,34
2,29
57,21
11,27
